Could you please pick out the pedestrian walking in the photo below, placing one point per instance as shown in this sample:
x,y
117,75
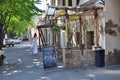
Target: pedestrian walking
x,y
34,44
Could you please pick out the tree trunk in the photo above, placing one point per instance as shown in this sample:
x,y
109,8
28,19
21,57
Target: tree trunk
x,y
1,36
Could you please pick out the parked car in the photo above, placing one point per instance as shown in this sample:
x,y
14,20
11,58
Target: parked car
x,y
8,42
16,40
25,38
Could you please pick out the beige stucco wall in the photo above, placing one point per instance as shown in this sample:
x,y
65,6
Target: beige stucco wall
x,y
74,2
113,13
66,2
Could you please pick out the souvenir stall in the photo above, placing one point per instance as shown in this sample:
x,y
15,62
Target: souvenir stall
x,y
76,34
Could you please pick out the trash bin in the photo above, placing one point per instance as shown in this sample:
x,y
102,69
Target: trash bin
x,y
99,57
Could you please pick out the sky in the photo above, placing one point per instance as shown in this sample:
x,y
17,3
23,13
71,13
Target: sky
x,y
42,5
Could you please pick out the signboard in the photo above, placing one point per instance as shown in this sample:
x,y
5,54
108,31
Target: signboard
x,y
49,57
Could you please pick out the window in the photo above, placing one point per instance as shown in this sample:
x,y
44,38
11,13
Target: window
x,y
69,2
77,2
90,39
63,3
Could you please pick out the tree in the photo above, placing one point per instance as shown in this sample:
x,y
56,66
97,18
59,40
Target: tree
x,y
14,13
16,26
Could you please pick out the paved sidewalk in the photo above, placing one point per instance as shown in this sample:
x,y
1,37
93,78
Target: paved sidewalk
x,y
21,64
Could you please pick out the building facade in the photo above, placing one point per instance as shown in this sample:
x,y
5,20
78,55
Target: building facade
x,y
98,26
64,2
112,19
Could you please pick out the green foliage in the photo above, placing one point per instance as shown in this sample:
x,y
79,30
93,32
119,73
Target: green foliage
x,y
17,27
56,28
17,14
61,27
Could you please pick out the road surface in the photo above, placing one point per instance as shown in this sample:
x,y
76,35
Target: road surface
x,y
21,64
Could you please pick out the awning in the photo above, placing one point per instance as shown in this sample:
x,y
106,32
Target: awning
x,y
91,3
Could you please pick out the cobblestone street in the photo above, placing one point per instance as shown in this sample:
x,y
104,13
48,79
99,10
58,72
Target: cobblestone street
x,y
21,64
